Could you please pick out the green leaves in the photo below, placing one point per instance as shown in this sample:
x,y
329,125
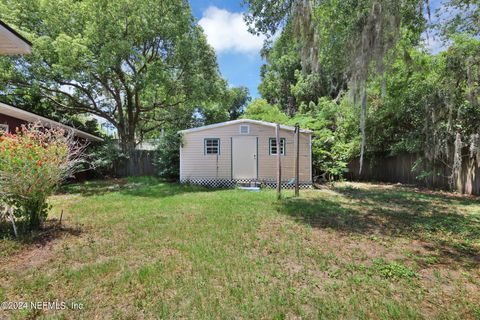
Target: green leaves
x,y
32,164
393,270
125,61
168,156
260,109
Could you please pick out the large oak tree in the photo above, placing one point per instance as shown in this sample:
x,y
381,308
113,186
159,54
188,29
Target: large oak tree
x,y
127,61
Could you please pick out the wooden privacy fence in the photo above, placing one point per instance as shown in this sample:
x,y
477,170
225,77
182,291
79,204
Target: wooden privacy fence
x,y
398,168
141,163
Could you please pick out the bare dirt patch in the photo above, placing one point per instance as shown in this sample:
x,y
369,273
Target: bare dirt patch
x,y
39,247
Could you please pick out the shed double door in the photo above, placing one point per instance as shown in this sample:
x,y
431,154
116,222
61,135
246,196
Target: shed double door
x,y
244,157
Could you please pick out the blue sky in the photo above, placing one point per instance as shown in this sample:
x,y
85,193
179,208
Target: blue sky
x,y
237,50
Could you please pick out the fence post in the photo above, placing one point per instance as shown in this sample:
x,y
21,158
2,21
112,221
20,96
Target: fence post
x,y
9,211
297,159
279,163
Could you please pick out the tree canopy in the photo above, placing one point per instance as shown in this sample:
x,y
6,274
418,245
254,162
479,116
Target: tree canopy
x,y
260,109
331,59
129,62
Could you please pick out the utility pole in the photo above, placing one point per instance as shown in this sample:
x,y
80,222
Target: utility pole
x,y
297,159
279,163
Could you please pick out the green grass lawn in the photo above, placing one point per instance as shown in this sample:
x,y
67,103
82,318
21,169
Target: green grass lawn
x,y
141,248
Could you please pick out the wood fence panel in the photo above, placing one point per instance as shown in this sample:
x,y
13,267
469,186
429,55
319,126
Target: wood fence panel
x,y
141,163
398,169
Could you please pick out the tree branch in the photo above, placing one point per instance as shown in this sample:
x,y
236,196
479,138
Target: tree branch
x,y
78,106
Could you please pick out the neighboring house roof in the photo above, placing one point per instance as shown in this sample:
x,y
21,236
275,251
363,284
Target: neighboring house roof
x,y
227,123
11,42
31,117
148,145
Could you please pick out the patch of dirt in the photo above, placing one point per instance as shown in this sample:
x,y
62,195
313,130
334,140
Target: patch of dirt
x,y
168,252
407,187
39,248
29,258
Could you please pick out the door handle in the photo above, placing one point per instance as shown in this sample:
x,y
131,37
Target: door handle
x,y
254,156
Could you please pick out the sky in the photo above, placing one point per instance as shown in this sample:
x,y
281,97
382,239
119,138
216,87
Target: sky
x,y
238,51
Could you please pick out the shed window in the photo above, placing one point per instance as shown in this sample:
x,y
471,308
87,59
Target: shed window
x,y
212,146
244,129
3,127
273,146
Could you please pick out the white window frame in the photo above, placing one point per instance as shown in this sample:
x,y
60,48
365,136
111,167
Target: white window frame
x,y
283,143
4,127
205,146
244,126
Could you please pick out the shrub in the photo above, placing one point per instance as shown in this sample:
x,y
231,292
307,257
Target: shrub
x,y
168,156
32,164
102,157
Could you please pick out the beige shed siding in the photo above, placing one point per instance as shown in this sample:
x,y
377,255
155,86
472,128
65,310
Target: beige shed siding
x,y
194,164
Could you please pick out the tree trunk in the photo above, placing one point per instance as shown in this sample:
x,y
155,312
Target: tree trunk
x,y
36,210
363,115
128,144
126,130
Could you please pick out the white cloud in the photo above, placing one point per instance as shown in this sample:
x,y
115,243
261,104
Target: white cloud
x,y
434,44
227,31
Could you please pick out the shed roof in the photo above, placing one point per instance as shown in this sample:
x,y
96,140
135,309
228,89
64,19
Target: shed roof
x,y
32,117
11,42
239,121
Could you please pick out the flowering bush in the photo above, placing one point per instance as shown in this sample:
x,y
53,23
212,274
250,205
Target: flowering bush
x,y
32,163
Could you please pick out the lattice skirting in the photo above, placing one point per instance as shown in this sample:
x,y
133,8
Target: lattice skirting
x,y
229,183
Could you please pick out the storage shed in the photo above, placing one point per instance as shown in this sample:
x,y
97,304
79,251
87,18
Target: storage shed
x,y
224,154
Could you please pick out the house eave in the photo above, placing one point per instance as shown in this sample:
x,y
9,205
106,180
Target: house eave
x,y
239,121
11,42
31,117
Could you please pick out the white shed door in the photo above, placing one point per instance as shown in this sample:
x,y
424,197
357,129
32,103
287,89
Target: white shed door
x,y
244,157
